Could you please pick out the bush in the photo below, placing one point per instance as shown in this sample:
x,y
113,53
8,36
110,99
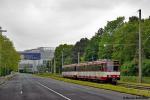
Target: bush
x,y
129,69
146,68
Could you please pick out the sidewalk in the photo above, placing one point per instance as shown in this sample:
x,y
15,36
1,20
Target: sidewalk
x,y
5,78
2,80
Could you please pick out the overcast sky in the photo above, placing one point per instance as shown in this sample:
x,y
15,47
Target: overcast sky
x,y
36,23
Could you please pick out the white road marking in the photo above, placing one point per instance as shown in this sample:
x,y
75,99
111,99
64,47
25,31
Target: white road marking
x,y
21,92
54,91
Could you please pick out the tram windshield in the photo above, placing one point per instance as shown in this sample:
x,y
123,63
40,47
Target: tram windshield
x,y
111,67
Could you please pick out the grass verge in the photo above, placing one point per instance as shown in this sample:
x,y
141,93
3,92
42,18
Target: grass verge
x,y
134,79
97,85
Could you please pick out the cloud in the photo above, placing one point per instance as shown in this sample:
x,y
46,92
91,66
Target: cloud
x,y
34,23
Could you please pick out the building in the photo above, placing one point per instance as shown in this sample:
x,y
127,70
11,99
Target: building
x,y
34,59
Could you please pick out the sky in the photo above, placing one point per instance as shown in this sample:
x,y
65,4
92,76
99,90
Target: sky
x,y
49,23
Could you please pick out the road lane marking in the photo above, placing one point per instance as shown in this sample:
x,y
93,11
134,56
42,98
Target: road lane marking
x,y
21,92
54,91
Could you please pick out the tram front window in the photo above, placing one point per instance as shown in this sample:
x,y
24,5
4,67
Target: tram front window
x,y
110,68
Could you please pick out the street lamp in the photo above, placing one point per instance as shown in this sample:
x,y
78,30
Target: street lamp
x,y
2,30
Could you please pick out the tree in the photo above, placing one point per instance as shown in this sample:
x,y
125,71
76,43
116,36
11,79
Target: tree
x,y
118,40
133,19
79,47
67,58
9,58
107,39
92,48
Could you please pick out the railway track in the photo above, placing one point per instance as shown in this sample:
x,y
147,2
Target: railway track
x,y
135,86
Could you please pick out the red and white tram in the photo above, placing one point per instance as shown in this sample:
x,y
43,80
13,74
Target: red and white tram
x,y
103,70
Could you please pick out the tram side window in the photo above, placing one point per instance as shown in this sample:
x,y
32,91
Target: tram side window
x,y
69,69
104,67
72,68
75,68
96,68
110,68
101,67
86,68
80,68
66,69
90,68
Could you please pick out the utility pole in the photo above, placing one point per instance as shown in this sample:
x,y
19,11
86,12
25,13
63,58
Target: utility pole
x,y
1,46
140,49
54,66
49,66
62,59
78,57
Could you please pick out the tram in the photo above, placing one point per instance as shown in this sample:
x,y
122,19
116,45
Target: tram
x,y
103,70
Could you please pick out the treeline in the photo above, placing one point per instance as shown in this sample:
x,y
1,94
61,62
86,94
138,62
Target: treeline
x,y
9,58
117,40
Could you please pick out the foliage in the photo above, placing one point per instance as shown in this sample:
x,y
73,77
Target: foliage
x,y
129,69
117,40
146,67
122,44
79,47
9,58
91,51
67,59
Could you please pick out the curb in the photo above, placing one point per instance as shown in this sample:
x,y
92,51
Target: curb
x,y
4,79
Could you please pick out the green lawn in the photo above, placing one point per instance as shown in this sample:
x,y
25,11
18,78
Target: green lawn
x,y
97,85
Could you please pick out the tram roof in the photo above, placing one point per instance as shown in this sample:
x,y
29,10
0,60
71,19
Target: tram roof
x,y
89,63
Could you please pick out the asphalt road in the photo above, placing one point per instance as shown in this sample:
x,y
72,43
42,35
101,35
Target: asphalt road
x,y
28,87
